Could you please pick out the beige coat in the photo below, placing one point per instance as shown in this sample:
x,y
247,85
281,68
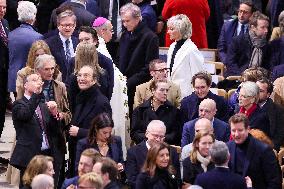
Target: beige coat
x,y
143,93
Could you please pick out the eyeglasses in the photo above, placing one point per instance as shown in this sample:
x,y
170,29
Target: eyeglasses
x,y
243,12
84,76
162,70
65,26
162,137
243,96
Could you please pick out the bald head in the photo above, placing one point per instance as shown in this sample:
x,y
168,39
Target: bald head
x,y
156,131
203,124
156,125
207,109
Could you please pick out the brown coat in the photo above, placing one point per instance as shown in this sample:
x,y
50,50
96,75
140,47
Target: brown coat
x,y
143,93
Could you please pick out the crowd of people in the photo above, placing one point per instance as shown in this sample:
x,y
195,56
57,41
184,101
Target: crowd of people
x,y
96,106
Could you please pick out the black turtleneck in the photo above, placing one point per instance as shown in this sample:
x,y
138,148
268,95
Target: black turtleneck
x,y
177,47
241,151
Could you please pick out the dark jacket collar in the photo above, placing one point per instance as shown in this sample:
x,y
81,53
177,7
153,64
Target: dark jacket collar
x,y
147,104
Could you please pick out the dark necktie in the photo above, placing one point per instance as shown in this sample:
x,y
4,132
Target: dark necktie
x,y
42,127
242,30
3,34
68,53
114,18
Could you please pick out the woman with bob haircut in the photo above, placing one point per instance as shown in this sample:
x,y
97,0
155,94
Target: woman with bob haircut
x,y
39,164
101,139
184,58
199,159
157,171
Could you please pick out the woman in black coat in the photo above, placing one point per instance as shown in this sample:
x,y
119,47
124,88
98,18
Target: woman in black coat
x,y
198,160
158,172
157,108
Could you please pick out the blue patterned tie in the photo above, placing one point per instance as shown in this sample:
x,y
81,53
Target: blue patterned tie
x,y
3,34
68,53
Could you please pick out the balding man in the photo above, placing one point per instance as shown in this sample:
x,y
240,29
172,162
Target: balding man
x,y
207,109
136,155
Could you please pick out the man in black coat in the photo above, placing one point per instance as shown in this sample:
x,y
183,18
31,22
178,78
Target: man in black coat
x,y
4,62
221,177
138,46
89,103
36,125
136,155
274,112
250,49
251,157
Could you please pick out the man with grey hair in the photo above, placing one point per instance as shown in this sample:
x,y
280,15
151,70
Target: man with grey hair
x,y
207,109
54,90
63,44
221,177
42,181
136,155
20,40
138,46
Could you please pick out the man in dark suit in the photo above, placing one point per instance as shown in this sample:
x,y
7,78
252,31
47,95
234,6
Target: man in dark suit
x,y
138,46
201,82
4,62
234,27
250,49
63,44
207,109
250,157
84,17
274,111
35,123
221,177
136,155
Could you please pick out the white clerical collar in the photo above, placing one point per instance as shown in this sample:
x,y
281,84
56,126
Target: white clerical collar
x,y
27,96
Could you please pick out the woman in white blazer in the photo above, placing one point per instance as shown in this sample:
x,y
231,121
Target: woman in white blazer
x,y
184,59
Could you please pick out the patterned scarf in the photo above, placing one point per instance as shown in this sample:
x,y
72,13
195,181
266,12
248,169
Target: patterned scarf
x,y
257,43
203,160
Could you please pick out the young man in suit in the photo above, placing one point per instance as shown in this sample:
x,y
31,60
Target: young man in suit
x,y
207,109
235,27
251,157
4,62
221,177
35,123
136,155
63,44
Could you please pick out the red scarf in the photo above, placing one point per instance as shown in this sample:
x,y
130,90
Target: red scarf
x,y
249,111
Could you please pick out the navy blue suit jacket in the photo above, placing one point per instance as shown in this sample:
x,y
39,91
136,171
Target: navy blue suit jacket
x,y
260,164
221,131
278,71
277,52
136,157
115,148
239,55
57,50
229,30
220,177
189,107
68,182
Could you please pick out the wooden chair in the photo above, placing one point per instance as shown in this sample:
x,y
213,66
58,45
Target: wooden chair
x,y
223,93
209,54
178,148
219,66
231,92
235,77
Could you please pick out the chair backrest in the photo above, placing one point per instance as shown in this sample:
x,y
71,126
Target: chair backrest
x,y
209,54
231,92
235,77
219,67
178,148
223,93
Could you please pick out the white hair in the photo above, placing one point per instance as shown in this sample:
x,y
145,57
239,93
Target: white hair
x,y
182,23
41,59
26,11
42,181
133,9
156,123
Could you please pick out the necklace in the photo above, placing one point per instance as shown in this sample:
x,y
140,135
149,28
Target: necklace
x,y
102,144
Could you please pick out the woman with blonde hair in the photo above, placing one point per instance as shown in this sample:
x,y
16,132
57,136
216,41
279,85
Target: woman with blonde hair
x,y
198,160
39,164
38,48
157,171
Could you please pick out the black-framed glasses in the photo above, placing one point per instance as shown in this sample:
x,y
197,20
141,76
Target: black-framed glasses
x,y
162,70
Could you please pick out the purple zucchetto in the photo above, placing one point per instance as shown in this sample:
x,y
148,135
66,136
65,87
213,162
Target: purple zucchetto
x,y
99,21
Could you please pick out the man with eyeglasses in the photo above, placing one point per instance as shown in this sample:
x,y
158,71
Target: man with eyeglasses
x,y
201,82
63,44
136,155
159,72
235,27
207,109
